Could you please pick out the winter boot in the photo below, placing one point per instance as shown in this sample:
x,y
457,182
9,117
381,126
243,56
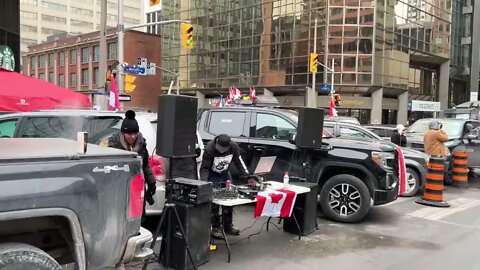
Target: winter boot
x,y
228,221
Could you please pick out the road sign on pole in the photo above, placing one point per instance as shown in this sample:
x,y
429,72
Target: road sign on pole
x,y
325,88
134,70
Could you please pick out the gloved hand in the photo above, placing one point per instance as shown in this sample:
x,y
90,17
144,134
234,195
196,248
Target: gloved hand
x,y
252,182
151,189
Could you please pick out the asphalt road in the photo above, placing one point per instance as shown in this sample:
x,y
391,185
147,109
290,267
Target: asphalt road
x,y
401,235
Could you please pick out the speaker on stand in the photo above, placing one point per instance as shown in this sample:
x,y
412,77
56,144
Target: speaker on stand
x,y
184,244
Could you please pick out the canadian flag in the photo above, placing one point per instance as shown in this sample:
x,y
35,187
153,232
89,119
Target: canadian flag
x,y
219,103
231,96
275,203
253,93
238,94
402,171
113,101
333,109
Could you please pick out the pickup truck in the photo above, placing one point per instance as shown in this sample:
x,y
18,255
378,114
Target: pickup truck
x,y
352,175
59,208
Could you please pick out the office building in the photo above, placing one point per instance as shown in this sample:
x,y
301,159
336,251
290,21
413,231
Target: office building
x,y
392,57
43,18
10,34
73,62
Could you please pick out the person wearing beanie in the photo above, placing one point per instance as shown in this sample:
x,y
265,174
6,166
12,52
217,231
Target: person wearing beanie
x,y
217,156
130,139
434,140
398,137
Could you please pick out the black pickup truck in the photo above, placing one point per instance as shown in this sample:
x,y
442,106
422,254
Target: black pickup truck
x,y
352,175
58,208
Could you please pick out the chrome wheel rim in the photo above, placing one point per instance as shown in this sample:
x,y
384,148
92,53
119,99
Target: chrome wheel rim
x,y
344,199
411,181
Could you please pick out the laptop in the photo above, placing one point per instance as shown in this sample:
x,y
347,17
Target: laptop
x,y
265,165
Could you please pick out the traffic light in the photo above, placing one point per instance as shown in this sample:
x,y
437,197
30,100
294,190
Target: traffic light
x,y
154,2
129,83
337,99
314,62
187,35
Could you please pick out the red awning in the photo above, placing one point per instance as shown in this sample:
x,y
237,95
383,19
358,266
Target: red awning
x,y
21,93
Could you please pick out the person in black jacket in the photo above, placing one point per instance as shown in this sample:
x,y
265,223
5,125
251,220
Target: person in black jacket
x,y
129,138
217,156
397,136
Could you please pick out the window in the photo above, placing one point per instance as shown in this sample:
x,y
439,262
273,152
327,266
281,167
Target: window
x,y
41,76
48,31
85,55
85,76
41,61
270,126
32,62
51,59
95,75
49,127
7,128
27,28
230,123
353,132
81,24
112,51
96,53
51,77
28,15
53,6
73,57
54,19
73,80
81,11
61,80
30,2
61,58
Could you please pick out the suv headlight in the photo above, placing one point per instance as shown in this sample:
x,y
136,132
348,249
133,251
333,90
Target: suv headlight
x,y
382,158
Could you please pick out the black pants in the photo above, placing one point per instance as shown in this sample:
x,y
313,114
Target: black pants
x,y
227,215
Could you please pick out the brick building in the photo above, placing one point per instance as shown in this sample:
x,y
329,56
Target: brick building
x,y
73,63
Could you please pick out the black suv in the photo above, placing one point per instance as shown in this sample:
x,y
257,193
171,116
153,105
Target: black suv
x,y
352,175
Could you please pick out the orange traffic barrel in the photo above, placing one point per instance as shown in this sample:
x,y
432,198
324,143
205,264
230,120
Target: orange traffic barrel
x,y
460,168
433,191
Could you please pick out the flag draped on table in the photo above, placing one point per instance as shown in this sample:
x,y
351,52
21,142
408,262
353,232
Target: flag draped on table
x,y
275,203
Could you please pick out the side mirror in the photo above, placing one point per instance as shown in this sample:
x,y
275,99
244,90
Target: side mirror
x,y
292,137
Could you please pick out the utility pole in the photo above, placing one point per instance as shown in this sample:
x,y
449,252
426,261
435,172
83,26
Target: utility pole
x,y
102,65
311,95
120,57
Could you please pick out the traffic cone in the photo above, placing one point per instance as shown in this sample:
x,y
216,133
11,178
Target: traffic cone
x,y
460,169
433,192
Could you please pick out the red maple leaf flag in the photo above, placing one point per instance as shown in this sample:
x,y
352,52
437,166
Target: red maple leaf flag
x,y
275,203
114,100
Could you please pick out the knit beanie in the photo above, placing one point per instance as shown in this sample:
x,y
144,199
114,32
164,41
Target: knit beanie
x,y
129,124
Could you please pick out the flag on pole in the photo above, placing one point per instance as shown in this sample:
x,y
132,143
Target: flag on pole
x,y
231,96
113,101
333,109
219,102
253,93
238,94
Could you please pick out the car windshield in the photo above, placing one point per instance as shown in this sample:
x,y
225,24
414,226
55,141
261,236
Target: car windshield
x,y
293,115
453,128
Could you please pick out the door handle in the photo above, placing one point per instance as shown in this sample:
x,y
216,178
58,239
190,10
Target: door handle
x,y
258,147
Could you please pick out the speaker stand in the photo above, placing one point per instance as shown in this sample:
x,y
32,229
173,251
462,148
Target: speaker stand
x,y
169,206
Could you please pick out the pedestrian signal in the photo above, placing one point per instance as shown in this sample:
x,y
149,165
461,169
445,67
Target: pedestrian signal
x,y
187,35
314,62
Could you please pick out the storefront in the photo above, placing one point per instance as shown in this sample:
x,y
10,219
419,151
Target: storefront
x,y
418,109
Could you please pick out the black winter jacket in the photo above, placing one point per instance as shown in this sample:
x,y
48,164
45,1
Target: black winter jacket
x,y
140,147
398,139
216,162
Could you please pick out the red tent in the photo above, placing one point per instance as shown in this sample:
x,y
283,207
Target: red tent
x,y
21,93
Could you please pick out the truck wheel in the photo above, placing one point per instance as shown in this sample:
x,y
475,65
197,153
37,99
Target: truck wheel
x,y
413,183
345,198
17,256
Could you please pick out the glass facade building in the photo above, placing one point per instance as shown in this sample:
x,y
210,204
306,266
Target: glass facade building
x,y
389,45
10,28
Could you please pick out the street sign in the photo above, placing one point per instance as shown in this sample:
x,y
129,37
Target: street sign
x,y
325,88
152,70
134,70
125,98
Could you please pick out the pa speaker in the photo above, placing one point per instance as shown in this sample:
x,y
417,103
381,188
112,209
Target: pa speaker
x,y
305,210
176,126
196,222
310,128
